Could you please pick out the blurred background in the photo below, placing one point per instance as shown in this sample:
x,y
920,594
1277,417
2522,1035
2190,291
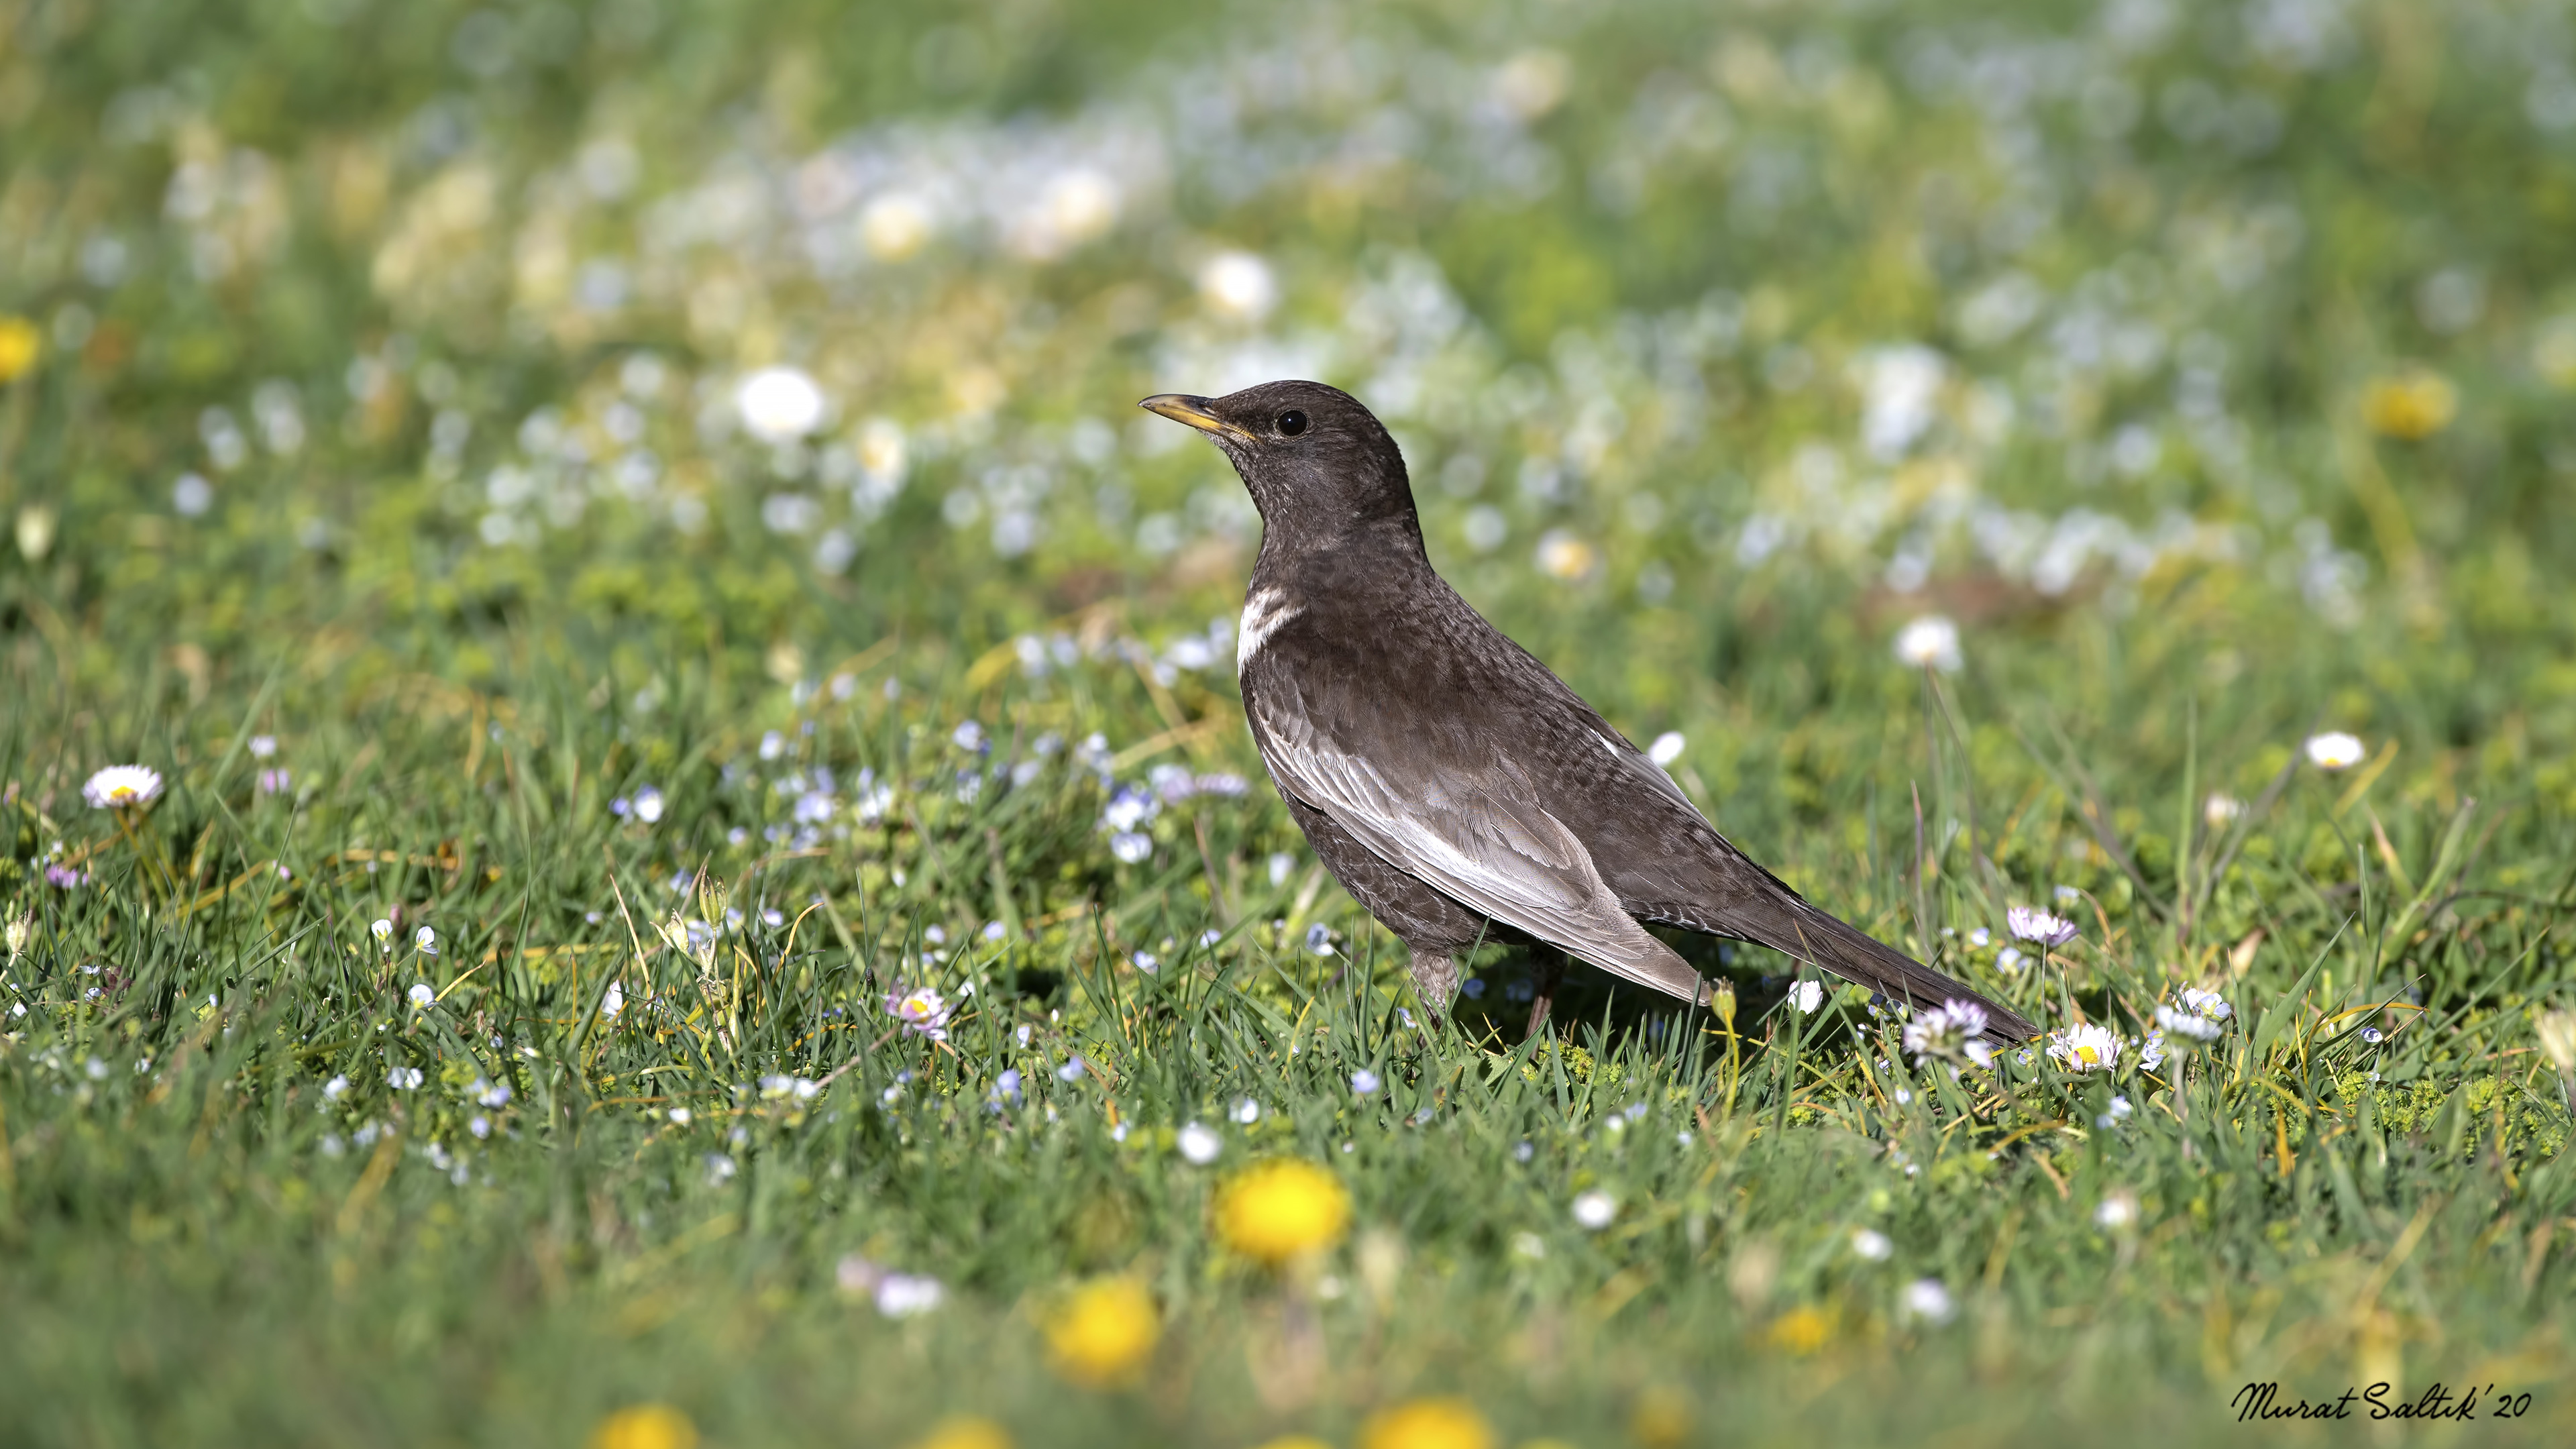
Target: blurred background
x,y
2166,349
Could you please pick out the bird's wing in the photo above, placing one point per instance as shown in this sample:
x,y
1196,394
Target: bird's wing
x,y
1469,825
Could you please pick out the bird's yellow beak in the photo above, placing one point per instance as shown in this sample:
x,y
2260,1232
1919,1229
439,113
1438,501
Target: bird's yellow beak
x,y
1181,408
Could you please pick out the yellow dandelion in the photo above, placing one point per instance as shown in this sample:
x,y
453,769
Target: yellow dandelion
x,y
1800,1331
2411,406
1297,1441
1103,1333
19,344
645,1426
1280,1209
1428,1424
966,1431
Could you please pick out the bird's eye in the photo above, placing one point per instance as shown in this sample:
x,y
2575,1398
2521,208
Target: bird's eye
x,y
1291,423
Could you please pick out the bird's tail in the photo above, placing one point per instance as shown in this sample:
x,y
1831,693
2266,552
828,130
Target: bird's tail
x,y
1813,936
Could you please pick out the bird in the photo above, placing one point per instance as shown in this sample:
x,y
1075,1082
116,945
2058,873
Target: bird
x,y
1456,787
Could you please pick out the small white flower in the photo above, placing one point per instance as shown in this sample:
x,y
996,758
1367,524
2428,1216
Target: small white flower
x,y
2010,960
902,1295
679,1116
1871,1244
479,1125
1594,1210
1953,1029
615,1001
2335,750
383,931
2151,1055
1667,748
2117,1211
336,1088
1930,642
1071,1071
1529,1245
2190,1025
1246,1111
720,1169
490,1094
2088,1047
1365,1082
1146,962
1238,286
1929,1300
2221,809
1807,996
1199,1143
923,1012
780,404
2206,1003
1319,939
262,746
1131,846
2030,923
427,940
403,1079
647,805
421,995
120,786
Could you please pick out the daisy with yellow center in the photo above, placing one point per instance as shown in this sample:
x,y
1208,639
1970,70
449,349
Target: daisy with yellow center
x,y
121,787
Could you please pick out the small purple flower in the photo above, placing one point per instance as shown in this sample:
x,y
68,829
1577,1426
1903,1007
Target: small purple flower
x,y
66,877
923,1012
275,782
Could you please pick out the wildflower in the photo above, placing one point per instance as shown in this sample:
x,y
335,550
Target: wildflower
x,y
427,940
1071,1071
2335,750
2221,809
479,1125
2410,407
923,1012
1319,939
1146,962
262,746
1199,1143
1930,642
489,1094
1954,1029
275,782
1929,1300
647,804
779,404
614,1002
966,1431
1529,1245
1006,1089
2010,960
336,1088
1594,1210
67,877
383,931
1282,1209
1238,286
679,1116
1871,1244
720,1169
422,996
2151,1052
120,787
1667,748
1245,1111
1103,1332
1427,1424
645,1426
403,1079
2117,1211
1807,996
906,1295
2085,1048
2189,1025
1365,1082
2119,1113
1801,1330
1131,847
2030,923
20,344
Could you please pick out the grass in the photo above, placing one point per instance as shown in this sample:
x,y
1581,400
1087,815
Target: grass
x,y
369,439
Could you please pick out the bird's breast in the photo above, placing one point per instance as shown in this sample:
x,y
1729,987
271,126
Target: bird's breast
x,y
1264,610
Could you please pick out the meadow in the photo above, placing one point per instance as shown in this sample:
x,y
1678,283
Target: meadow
x,y
627,823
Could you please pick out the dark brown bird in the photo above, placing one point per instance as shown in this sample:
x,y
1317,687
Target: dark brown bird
x,y
1457,788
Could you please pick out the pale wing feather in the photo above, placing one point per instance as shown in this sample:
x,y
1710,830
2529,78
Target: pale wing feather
x,y
1497,853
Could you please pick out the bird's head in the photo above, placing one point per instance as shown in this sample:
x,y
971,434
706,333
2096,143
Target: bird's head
x,y
1316,462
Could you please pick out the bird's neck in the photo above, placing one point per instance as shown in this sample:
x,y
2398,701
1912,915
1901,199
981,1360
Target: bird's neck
x,y
1388,548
